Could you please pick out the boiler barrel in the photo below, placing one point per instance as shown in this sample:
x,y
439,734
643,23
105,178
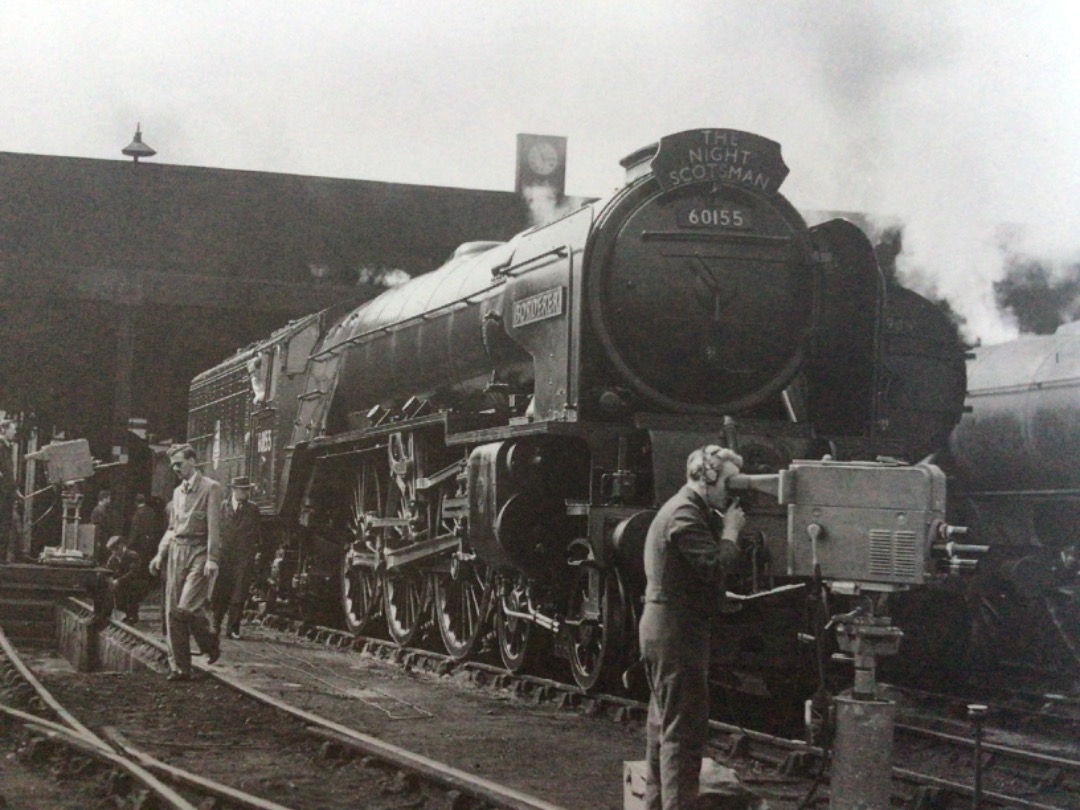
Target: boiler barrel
x,y
1023,429
426,335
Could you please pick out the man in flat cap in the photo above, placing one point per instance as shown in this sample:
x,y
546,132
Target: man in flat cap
x,y
240,522
128,582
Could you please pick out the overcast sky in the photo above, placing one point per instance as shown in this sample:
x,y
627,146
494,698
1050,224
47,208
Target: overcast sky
x,y
953,117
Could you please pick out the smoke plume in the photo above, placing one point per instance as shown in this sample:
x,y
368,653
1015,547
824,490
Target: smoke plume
x,y
544,205
1039,294
956,121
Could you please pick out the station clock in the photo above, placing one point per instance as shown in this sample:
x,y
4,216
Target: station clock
x,y
541,161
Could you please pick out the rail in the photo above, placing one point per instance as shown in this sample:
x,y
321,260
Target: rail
x,y
795,755
755,744
75,734
448,777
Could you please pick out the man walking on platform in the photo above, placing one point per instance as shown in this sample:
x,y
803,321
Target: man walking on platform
x,y
194,549
239,541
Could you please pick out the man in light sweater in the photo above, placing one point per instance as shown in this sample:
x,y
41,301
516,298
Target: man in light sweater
x,y
193,545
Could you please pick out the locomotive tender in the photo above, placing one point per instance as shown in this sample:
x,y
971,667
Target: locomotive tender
x,y
486,444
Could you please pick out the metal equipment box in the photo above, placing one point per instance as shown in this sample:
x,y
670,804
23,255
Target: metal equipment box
x,y
864,522
67,461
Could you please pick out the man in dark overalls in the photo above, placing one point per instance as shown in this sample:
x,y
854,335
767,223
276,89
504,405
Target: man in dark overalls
x,y
128,578
105,526
688,551
145,532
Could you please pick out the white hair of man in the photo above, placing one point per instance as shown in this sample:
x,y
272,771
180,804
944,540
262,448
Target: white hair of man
x,y
707,463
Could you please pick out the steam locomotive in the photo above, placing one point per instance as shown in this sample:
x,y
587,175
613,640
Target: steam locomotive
x,y
481,449
1013,456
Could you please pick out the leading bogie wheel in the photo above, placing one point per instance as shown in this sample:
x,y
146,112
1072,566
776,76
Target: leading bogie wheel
x,y
513,632
597,627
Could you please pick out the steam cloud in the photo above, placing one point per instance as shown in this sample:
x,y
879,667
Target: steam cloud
x,y
957,121
544,206
381,276
1039,294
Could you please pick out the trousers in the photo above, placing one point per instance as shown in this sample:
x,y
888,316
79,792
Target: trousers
x,y
231,591
7,525
187,589
675,649
128,595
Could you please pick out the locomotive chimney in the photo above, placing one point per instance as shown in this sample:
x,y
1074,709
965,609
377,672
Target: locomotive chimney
x,y
638,162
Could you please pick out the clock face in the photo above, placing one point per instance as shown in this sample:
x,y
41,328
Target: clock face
x,y
543,157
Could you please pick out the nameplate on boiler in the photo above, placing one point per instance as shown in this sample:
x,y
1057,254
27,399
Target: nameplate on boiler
x,y
539,307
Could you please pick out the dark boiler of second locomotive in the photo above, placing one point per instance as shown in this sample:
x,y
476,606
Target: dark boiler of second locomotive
x,y
1022,429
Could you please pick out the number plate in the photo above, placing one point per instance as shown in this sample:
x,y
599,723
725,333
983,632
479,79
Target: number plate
x,y
714,216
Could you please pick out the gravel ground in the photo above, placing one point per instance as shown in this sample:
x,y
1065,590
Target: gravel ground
x,y
556,755
35,788
204,726
210,729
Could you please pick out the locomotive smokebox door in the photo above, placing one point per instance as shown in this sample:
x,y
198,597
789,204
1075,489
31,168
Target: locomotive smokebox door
x,y
865,523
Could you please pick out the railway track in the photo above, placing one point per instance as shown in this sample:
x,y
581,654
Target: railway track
x,y
1054,713
351,766
566,756
933,766
1016,770
50,722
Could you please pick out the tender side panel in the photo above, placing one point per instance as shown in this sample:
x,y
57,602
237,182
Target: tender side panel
x,y
923,379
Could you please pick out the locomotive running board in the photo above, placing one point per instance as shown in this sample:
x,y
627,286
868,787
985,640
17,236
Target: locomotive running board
x,y
451,423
